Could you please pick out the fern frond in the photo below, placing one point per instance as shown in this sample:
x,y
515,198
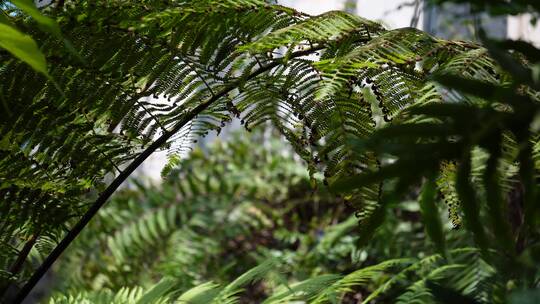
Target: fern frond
x,y
324,28
200,294
137,295
304,290
447,188
229,292
357,278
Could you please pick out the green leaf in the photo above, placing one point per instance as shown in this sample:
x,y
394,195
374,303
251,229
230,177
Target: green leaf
x,y
304,289
157,291
530,51
443,294
252,275
467,195
4,18
200,294
402,168
527,176
430,215
530,296
474,87
23,47
45,23
372,223
496,204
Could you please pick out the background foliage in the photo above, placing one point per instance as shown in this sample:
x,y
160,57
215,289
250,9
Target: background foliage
x,y
242,207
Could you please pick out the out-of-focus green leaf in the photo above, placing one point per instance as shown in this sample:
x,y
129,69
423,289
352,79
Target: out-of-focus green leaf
x,y
471,208
474,87
527,175
525,297
347,184
370,224
200,294
530,51
4,18
23,47
454,110
430,215
157,291
45,23
446,295
520,73
496,204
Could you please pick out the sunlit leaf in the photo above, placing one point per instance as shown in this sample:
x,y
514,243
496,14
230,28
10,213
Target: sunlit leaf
x,y
23,47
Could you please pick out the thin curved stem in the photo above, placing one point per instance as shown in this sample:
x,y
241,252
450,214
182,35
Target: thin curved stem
x,y
17,266
107,193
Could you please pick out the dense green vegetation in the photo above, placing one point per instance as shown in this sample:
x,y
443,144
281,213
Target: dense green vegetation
x,y
246,206
392,126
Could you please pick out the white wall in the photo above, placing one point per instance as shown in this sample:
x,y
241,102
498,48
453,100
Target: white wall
x,y
519,27
313,7
391,13
385,11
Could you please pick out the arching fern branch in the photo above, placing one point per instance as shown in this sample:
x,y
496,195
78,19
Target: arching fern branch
x,y
105,195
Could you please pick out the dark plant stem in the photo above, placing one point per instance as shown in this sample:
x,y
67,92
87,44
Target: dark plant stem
x,y
23,254
17,266
106,194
